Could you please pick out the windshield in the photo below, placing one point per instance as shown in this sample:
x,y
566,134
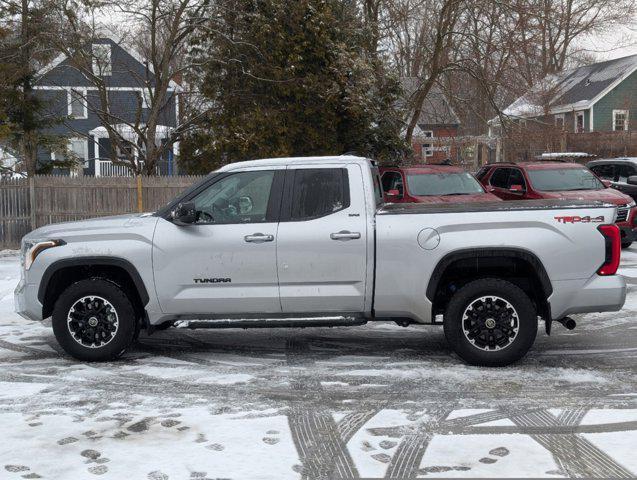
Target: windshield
x,y
443,184
561,179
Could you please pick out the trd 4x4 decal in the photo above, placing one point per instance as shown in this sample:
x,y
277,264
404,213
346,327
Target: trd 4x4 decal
x,y
578,219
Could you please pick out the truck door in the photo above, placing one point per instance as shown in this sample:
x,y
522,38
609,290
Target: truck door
x,y
226,262
322,240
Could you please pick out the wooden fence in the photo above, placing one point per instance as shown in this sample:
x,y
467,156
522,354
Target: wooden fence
x,y
527,143
26,204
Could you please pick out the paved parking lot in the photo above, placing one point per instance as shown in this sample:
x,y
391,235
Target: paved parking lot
x,y
378,401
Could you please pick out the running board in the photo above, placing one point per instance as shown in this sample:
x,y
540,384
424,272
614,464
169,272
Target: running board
x,y
296,322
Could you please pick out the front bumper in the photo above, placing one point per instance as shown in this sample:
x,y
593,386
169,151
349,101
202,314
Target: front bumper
x,y
26,300
597,294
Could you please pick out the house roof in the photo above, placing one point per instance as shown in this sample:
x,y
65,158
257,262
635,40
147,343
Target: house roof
x,y
435,109
102,40
575,89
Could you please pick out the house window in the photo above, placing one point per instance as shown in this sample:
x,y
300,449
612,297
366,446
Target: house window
x,y
579,122
145,97
620,120
125,151
427,150
428,134
76,101
77,149
102,65
559,121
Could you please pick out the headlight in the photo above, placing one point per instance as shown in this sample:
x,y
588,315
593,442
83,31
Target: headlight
x,y
32,248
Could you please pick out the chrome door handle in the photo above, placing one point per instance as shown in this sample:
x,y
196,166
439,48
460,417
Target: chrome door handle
x,y
258,238
345,235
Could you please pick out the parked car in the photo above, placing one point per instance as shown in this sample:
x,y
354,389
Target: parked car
x,y
300,242
553,180
617,171
432,184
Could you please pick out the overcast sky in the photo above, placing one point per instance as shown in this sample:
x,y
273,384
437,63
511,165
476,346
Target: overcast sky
x,y
605,47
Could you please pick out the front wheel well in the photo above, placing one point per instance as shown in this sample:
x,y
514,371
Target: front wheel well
x,y
64,277
521,268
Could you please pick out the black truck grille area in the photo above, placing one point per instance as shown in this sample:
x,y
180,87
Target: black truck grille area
x,y
622,214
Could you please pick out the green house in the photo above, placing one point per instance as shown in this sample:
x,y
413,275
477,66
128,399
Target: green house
x,y
601,97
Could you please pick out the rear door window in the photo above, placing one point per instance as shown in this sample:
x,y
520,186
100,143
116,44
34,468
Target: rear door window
x,y
516,178
624,171
500,178
317,192
392,181
607,172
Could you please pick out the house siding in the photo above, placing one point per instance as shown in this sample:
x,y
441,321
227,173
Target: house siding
x,y
122,103
128,77
569,120
443,137
622,97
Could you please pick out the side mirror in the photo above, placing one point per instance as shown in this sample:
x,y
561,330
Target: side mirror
x,y
608,183
185,214
516,188
393,195
632,180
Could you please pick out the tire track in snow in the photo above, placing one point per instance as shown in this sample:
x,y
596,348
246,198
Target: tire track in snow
x,y
316,436
575,455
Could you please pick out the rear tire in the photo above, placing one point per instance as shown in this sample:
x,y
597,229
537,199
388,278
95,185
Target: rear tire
x,y
93,320
490,322
627,244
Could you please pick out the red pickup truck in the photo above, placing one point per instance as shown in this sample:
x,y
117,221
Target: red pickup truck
x,y
432,184
557,180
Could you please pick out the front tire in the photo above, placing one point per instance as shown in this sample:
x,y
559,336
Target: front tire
x,y
93,320
490,322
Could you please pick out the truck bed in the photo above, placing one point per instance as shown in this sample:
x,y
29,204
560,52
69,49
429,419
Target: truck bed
x,y
409,250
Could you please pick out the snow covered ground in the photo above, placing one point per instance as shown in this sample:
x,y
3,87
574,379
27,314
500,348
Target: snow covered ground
x,y
378,401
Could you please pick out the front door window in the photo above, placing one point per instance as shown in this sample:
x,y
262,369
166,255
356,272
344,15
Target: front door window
x,y
239,198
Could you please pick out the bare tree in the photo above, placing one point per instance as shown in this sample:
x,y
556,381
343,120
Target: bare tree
x,y
420,36
158,31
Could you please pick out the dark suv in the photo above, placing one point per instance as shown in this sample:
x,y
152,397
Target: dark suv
x,y
618,172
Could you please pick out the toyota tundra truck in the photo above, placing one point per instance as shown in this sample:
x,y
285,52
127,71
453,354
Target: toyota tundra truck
x,y
298,242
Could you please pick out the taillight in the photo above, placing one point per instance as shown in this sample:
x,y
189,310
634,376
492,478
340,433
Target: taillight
x,y
612,242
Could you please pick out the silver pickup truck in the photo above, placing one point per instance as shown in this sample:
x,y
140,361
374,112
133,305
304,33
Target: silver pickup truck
x,y
298,242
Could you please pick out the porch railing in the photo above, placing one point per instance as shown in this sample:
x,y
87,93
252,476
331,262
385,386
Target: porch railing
x,y
106,168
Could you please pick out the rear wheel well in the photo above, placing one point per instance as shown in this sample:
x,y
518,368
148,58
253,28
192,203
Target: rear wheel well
x,y
520,268
64,277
